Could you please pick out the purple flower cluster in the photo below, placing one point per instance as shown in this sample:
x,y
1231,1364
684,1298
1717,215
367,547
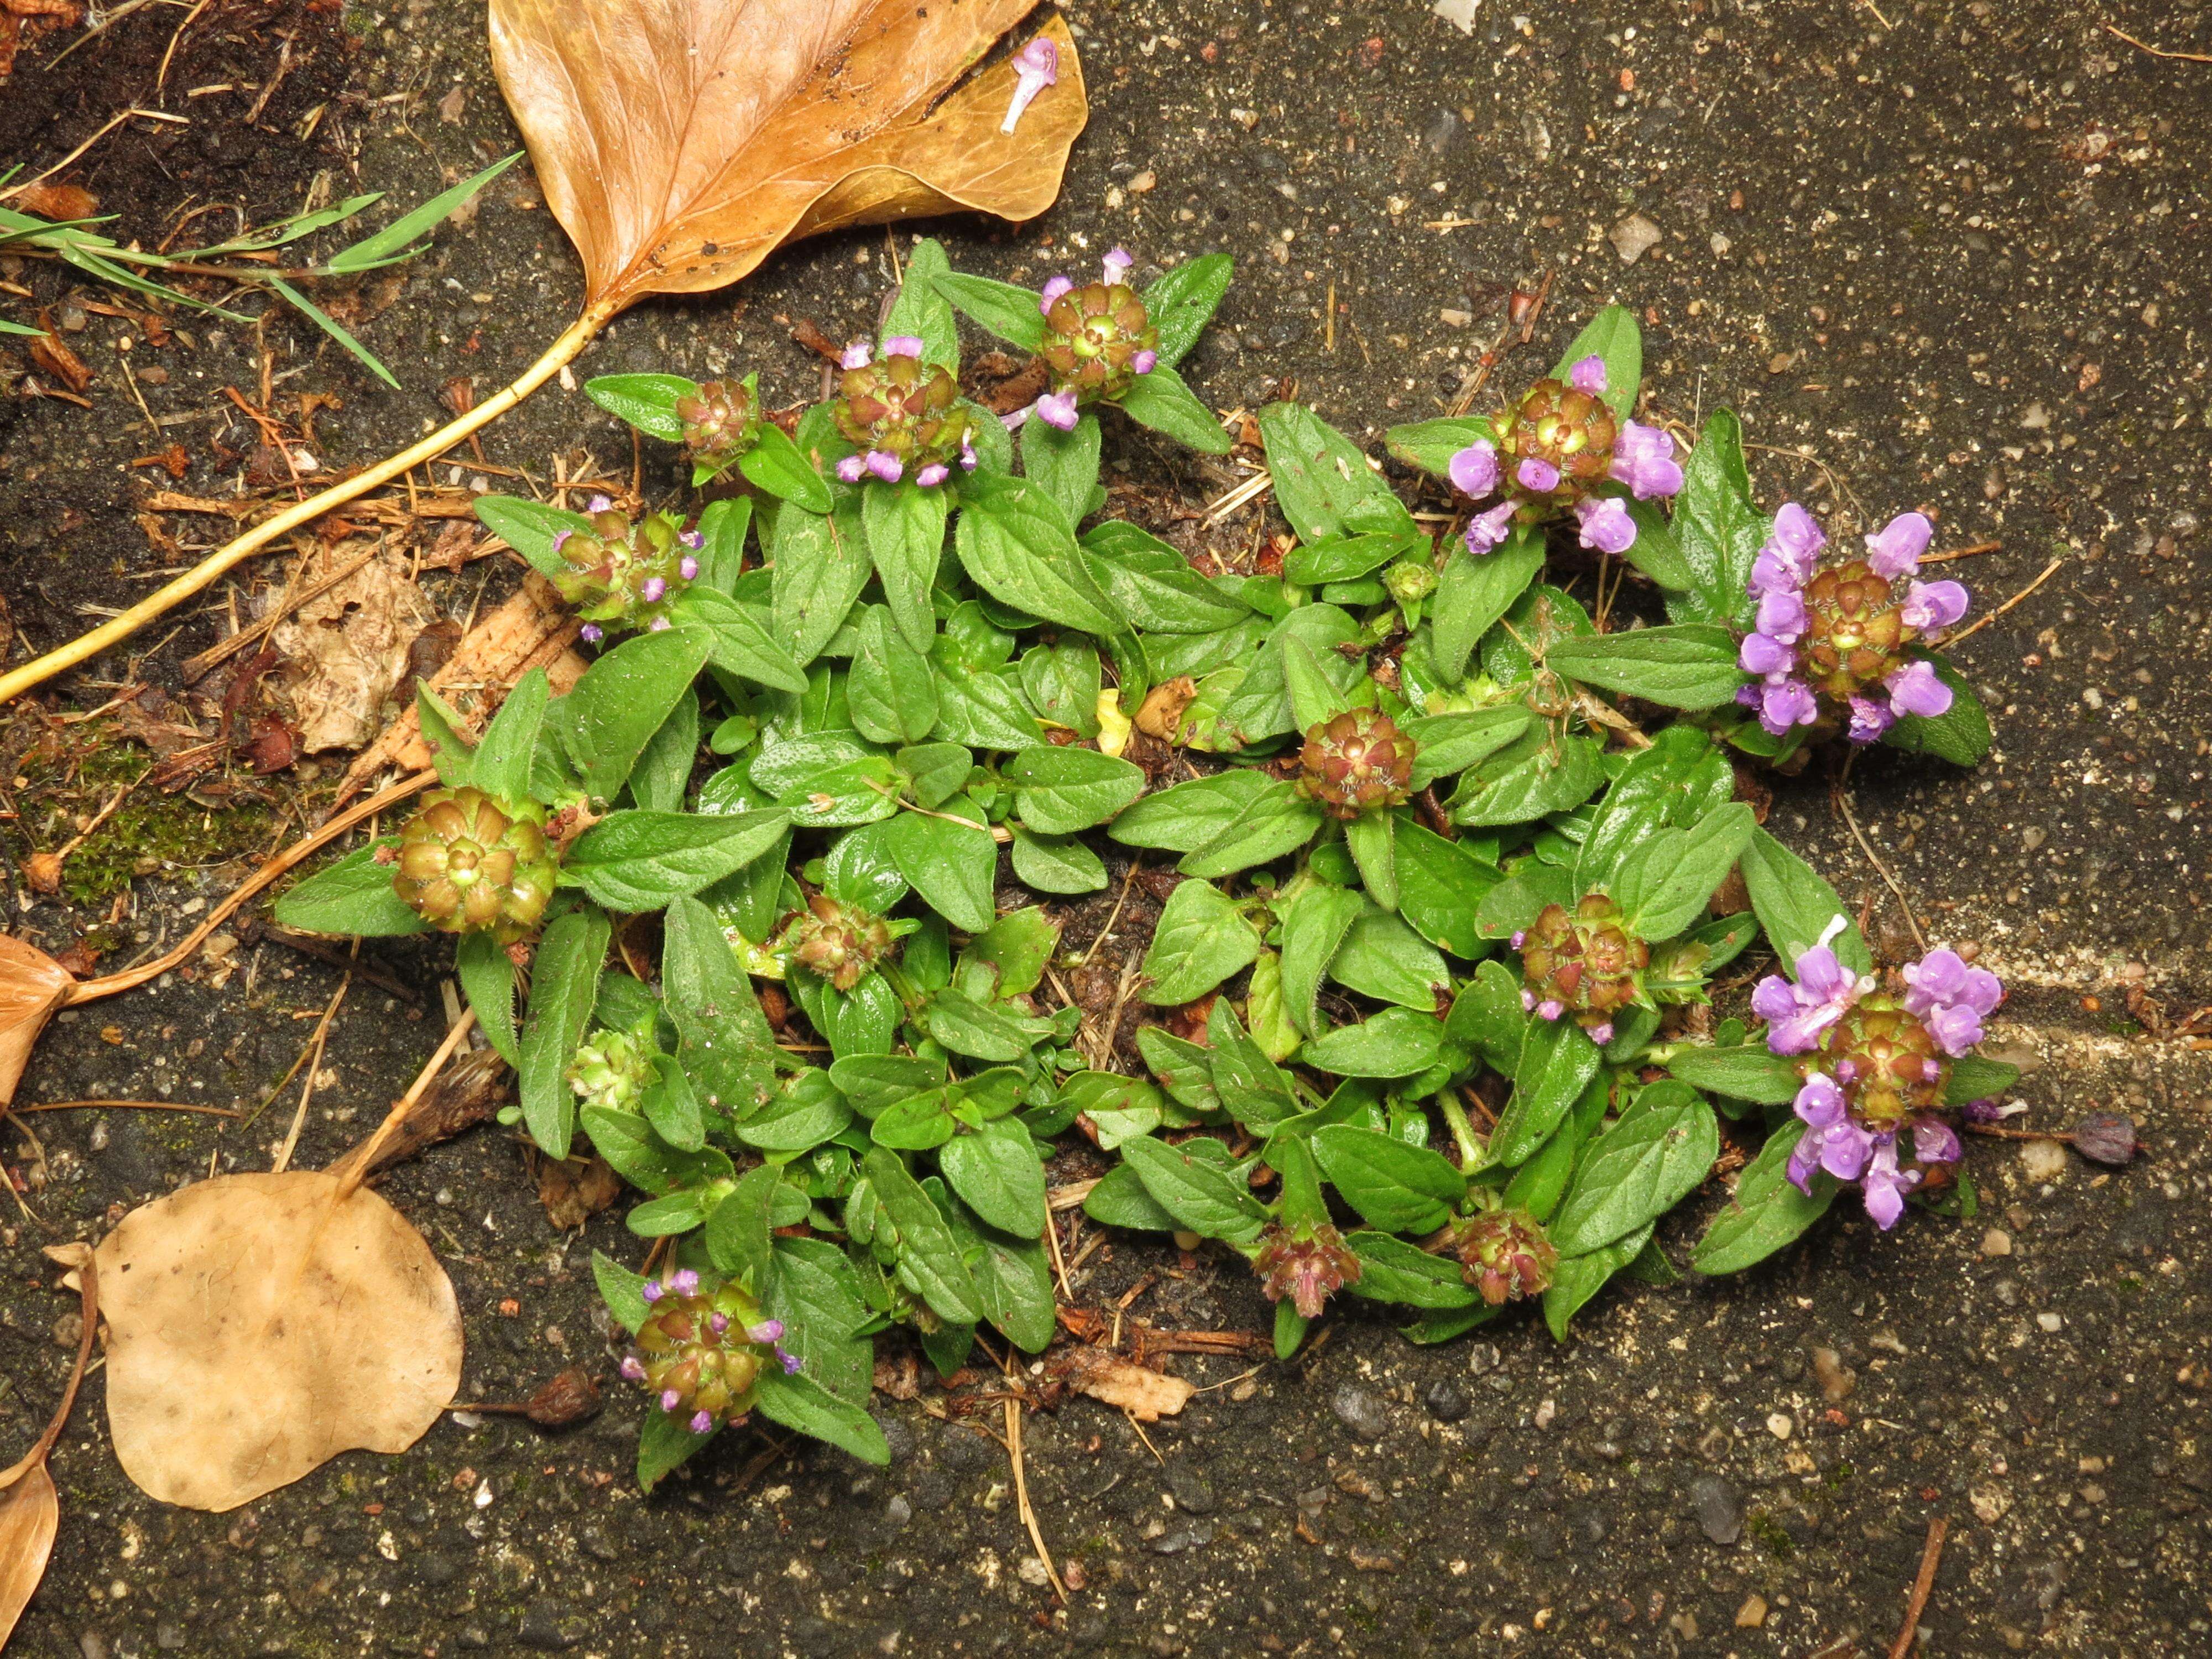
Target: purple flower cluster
x,y
1873,1068
881,463
1841,632
765,1333
1643,460
1061,407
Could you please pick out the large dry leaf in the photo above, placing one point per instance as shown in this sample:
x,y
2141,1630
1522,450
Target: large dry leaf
x,y
29,1513
31,985
345,650
681,142
259,1325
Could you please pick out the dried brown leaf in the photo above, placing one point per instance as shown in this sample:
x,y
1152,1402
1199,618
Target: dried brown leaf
x,y
1148,1396
31,985
681,142
259,1325
57,201
345,650
49,353
29,1514
575,1189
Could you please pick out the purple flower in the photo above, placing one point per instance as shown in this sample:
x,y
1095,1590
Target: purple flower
x,y
933,475
967,456
1990,1111
790,1362
1870,718
701,1421
1474,471
1833,1140
1606,524
651,1290
885,465
1895,550
769,1330
670,1399
1485,529
1115,266
684,1282
1527,1000
1602,1034
591,633
688,567
852,468
1782,615
692,538
1520,938
1053,290
1643,460
1796,1014
903,345
1550,1008
1916,690
561,538
1791,553
1885,1185
1588,375
718,1323
1951,999
598,504
859,355
633,1368
1537,474
1058,409
657,625
1784,703
655,590
1931,605
1763,654
1036,66
1144,362
1935,1141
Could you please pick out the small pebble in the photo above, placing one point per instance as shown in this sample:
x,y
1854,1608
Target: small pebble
x,y
1779,1425
1360,1412
1447,1403
2042,1161
1718,1507
1997,1242
1752,1613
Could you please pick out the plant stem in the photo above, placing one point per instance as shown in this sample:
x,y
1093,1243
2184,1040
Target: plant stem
x,y
1471,1149
562,351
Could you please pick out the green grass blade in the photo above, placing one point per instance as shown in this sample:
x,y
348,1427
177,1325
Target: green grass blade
x,y
406,229
330,325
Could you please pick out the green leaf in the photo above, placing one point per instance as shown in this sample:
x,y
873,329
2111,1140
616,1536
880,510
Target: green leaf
x,y
1314,926
1013,1281
1154,585
395,239
1664,884
1120,1200
1745,1071
447,736
1064,464
1314,692
1200,941
664,1441
738,639
1347,558
927,1257
1396,1187
564,984
891,693
1556,1065
996,1173
1448,744
1012,313
623,1290
1675,782
663,773
1430,445
1795,906
1686,665
921,309
1538,773
1441,886
821,564
487,977
1768,1212
1275,821
1055,863
1396,1043
724,1041
1959,735
1487,1016
502,759
1397,1270
1190,815
1613,337
1382,957
905,526
1016,545
613,711
1322,480
1374,848
800,1402
1541,1182
1719,526
1579,1278
722,528
1059,790
1975,1079
1161,401
938,771
647,402
529,528
1062,681
779,466
1635,1172
1656,551
806,1113
954,866
1202,1196
352,895
638,861
1183,301
1474,591
741,1238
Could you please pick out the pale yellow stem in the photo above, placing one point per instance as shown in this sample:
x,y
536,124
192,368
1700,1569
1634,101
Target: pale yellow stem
x,y
561,352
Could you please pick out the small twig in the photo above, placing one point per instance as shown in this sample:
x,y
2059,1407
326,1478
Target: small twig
x,y
315,1045
1878,17
1930,1558
1995,1131
2157,52
1115,914
131,1105
354,1167
1968,633
1961,552
98,819
1022,1496
1844,804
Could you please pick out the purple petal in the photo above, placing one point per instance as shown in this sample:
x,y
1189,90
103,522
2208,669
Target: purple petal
x,y
1606,524
1774,572
670,1399
1474,471
1115,266
1588,375
859,355
769,1330
1058,409
1053,290
692,538
1797,534
633,1368
1601,1033
1819,1102
1643,460
1885,1187
1485,529
967,456
1939,976
1786,703
683,1281
651,1290
1782,614
598,504
1818,972
1935,1141
1869,718
1145,363
591,633
688,567
1931,605
1773,998
1956,1026
1916,690
1550,1008
903,345
655,589
701,1421
790,1363
1895,550
1036,66
1537,474
852,469
933,475
885,465
1763,655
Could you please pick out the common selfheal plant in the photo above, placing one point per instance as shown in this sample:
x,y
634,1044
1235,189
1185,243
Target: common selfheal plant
x,y
1832,645
1099,340
700,1353
621,575
903,415
1875,1063
1553,451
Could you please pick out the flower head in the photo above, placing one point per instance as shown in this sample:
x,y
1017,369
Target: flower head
x,y
611,1068
470,862
1585,961
1503,1254
614,571
899,412
1952,998
700,1351
1307,1263
720,422
1036,66
1356,763
1098,338
841,942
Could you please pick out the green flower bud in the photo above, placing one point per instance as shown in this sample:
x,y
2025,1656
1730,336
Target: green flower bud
x,y
839,943
467,864
1586,963
720,422
1357,762
1414,579
612,1067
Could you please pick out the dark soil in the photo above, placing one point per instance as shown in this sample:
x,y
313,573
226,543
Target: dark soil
x,y
1941,255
